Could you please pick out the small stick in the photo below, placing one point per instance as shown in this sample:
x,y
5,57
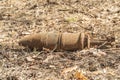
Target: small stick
x,y
102,44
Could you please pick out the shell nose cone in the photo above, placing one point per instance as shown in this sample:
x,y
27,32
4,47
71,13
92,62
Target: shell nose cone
x,y
23,42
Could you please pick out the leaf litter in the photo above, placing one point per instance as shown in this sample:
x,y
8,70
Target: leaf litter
x,y
20,17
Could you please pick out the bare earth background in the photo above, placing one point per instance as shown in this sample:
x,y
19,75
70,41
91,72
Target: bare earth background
x,y
23,17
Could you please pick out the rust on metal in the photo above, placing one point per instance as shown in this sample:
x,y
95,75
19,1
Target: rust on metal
x,y
62,41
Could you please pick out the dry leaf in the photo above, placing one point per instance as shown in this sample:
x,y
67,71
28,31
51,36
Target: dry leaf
x,y
48,58
94,52
30,59
80,76
34,67
66,70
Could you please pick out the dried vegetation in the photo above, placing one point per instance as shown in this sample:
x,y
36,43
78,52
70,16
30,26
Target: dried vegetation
x,y
23,17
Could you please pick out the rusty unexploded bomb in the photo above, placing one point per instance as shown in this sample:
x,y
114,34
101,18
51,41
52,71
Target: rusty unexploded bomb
x,y
57,41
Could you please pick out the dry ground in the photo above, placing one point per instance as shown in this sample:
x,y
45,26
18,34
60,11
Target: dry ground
x,y
23,17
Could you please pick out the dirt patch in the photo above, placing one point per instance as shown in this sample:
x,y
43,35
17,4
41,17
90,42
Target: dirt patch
x,y
20,17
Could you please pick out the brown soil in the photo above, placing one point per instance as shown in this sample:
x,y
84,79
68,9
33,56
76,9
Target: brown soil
x,y
23,17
